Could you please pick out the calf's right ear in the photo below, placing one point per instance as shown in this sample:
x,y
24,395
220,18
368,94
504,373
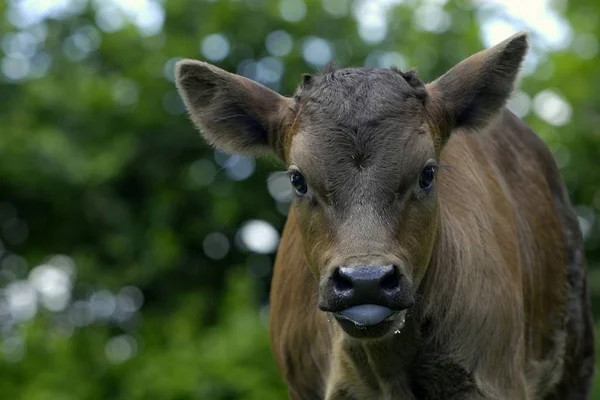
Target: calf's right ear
x,y
233,113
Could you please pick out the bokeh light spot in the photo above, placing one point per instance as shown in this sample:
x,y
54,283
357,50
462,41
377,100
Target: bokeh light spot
x,y
520,103
259,236
149,18
371,18
15,68
80,44
431,18
40,63
109,18
336,8
586,46
120,349
392,59
53,286
23,44
317,51
169,68
125,92
13,349
552,108
221,157
80,314
269,70
215,47
239,167
502,18
280,188
15,231
102,304
292,10
16,265
279,43
22,300
215,246
203,172
130,299
25,13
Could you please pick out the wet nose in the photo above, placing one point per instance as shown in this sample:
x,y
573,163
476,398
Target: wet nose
x,y
379,284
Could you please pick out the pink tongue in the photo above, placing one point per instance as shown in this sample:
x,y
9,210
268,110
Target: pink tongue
x,y
366,314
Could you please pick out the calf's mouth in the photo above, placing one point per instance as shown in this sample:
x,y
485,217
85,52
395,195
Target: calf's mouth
x,y
370,321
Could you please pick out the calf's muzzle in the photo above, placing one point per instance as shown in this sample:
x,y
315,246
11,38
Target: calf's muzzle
x,y
366,295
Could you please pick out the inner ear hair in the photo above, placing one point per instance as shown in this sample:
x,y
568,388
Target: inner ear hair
x,y
234,114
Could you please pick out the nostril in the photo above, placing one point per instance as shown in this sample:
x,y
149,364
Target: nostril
x,y
391,280
340,282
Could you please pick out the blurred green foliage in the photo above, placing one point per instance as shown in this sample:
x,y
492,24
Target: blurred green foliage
x,y
99,163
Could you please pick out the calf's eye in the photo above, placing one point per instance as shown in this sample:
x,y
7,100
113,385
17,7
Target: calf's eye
x,y
298,182
426,178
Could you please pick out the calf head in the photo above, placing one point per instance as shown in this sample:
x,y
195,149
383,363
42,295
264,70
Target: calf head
x,y
362,148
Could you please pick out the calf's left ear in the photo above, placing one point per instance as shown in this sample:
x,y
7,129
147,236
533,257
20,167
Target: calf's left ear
x,y
233,113
473,91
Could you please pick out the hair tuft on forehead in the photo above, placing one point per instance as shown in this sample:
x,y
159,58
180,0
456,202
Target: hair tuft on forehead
x,y
412,78
330,68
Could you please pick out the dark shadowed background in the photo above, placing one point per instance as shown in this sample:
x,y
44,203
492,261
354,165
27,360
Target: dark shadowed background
x,y
135,261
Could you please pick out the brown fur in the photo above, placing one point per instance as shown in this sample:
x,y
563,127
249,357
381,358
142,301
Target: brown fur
x,y
493,254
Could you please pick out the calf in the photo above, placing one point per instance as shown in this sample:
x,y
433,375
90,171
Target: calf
x,y
431,250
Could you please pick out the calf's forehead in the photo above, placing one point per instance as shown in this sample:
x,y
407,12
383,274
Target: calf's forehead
x,y
361,124
354,97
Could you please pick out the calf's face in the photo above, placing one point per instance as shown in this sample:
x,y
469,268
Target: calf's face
x,y
362,160
362,150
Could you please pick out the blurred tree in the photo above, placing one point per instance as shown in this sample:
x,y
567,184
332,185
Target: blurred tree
x,y
160,287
